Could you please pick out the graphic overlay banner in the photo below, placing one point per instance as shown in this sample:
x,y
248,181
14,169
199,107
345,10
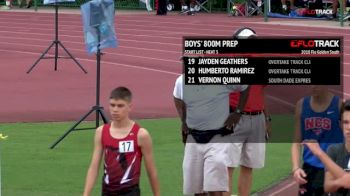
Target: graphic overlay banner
x,y
296,60
288,69
100,22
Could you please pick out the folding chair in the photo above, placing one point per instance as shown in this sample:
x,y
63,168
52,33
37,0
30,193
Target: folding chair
x,y
250,7
253,6
327,4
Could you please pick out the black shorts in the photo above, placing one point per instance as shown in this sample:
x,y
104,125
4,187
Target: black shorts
x,y
132,191
315,180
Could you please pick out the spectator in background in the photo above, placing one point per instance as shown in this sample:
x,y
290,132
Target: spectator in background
x,y
161,7
184,7
284,6
29,3
21,3
8,5
247,149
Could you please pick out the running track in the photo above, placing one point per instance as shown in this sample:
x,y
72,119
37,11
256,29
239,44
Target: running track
x,y
147,61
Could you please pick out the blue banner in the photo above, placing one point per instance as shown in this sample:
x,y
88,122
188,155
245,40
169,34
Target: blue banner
x,y
98,19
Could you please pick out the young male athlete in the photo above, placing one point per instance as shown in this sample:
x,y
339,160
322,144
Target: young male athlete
x,y
337,162
122,144
316,118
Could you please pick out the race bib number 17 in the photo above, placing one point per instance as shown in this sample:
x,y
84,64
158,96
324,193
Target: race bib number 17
x,y
126,146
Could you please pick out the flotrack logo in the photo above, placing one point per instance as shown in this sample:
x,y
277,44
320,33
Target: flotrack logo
x,y
314,43
319,12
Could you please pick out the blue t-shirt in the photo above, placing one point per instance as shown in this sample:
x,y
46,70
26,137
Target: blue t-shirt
x,y
321,126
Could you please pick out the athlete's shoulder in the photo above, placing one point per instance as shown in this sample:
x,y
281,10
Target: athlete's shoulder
x,y
102,127
299,106
300,102
98,132
143,133
179,78
340,102
143,137
99,129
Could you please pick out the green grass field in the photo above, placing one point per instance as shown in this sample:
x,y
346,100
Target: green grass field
x,y
30,168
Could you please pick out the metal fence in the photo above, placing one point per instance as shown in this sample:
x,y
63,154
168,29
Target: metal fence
x,y
216,5
124,4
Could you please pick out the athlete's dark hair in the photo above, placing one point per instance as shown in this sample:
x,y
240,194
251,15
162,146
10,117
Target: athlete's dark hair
x,y
121,93
345,107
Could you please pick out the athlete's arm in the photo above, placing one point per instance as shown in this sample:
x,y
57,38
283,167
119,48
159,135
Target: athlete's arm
x,y
145,143
344,181
95,163
329,164
181,110
234,117
330,186
243,97
267,117
298,173
341,178
329,179
180,106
